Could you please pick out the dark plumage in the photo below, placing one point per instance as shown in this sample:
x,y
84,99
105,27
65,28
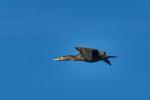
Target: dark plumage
x,y
87,55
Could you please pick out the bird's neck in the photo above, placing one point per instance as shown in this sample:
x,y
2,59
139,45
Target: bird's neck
x,y
78,58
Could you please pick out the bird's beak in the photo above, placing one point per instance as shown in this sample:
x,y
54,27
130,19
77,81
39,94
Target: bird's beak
x,y
59,59
56,59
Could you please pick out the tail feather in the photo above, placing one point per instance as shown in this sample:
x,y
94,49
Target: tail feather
x,y
112,56
107,61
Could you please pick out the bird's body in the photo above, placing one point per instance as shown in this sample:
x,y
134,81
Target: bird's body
x,y
87,55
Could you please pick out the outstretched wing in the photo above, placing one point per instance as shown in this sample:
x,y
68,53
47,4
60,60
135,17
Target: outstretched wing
x,y
86,53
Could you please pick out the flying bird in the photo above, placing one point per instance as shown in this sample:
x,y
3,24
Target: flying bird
x,y
87,55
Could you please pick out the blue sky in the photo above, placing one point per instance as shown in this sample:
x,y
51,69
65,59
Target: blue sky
x,y
32,32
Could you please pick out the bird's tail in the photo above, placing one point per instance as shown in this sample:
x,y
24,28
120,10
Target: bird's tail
x,y
112,56
107,61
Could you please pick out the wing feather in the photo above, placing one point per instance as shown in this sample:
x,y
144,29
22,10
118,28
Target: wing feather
x,y
87,53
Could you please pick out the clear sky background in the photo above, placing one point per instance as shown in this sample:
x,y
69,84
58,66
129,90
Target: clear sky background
x,y
32,32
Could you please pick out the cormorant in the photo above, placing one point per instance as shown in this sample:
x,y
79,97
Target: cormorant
x,y
87,55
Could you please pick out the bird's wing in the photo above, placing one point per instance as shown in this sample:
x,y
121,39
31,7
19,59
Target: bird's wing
x,y
83,48
85,52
